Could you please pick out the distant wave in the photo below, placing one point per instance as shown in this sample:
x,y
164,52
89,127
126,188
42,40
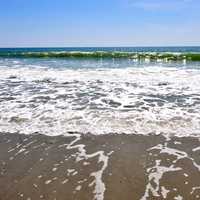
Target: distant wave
x,y
105,54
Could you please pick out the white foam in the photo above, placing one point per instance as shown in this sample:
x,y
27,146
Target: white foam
x,y
99,186
178,197
48,182
194,189
65,181
100,101
155,175
157,171
54,169
164,192
196,149
78,188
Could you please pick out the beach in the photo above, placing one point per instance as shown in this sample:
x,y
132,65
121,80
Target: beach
x,y
100,100
98,167
100,127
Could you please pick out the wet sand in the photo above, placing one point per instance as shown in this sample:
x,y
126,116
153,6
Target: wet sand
x,y
109,167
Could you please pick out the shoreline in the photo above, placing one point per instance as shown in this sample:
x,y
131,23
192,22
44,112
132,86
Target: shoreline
x,y
98,167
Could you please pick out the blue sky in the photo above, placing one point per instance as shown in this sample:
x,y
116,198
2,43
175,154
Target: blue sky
x,y
39,23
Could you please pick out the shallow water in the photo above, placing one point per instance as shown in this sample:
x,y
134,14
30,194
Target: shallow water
x,y
55,96
98,167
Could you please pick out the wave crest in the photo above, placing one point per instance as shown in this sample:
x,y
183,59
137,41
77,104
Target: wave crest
x,y
105,54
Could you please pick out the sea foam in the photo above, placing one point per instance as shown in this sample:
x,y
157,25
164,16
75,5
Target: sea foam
x,y
133,100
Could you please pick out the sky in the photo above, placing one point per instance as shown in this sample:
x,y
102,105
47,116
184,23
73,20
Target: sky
x,y
63,23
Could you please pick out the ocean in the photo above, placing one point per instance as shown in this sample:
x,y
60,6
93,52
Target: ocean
x,y
109,94
100,95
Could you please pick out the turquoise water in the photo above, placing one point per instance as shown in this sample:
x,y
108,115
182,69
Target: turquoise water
x,y
151,54
96,62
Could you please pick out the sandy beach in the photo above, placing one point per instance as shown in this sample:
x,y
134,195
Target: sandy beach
x,y
110,167
99,129
100,100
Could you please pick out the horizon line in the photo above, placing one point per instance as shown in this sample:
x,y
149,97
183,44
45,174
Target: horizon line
x,y
137,46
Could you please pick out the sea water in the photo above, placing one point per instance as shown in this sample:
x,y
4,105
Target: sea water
x,y
55,96
74,96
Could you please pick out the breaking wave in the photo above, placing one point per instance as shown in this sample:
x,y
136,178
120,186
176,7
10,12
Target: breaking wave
x,y
151,56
